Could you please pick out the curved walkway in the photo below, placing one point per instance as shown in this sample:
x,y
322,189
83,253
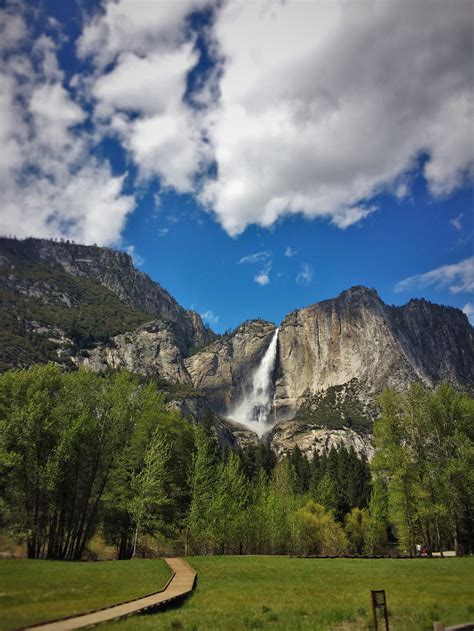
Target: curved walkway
x,y
180,584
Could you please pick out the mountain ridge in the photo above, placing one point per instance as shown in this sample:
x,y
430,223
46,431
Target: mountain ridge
x,y
333,357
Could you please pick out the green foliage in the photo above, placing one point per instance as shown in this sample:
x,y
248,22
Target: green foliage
x,y
148,486
202,483
227,506
375,535
178,390
69,455
326,492
425,455
356,527
318,533
279,506
256,458
84,309
194,350
336,407
82,454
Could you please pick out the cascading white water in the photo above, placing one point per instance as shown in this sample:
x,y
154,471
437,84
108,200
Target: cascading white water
x,y
253,410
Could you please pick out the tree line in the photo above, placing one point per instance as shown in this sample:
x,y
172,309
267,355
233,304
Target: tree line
x,y
84,455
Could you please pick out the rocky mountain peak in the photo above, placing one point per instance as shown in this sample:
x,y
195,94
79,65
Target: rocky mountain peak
x,y
359,293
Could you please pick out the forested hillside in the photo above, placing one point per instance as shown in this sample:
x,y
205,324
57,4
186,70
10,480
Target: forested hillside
x,y
48,314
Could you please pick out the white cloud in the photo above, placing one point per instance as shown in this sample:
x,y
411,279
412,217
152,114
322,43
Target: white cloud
x,y
149,85
468,309
13,31
313,119
135,25
163,232
52,186
456,222
136,258
141,99
262,278
258,257
458,277
299,113
54,113
305,275
210,317
289,252
265,259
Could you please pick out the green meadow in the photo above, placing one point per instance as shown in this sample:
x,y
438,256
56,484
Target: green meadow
x,y
279,593
254,592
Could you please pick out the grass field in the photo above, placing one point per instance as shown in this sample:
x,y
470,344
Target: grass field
x,y
37,591
235,593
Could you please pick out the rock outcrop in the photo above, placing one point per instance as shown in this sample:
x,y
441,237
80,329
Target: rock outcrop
x,y
310,437
149,350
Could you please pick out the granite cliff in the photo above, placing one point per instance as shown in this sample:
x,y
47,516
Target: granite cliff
x,y
354,346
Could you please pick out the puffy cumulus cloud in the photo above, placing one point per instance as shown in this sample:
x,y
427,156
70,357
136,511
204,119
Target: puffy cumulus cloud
x,y
142,98
323,105
13,30
458,277
309,108
135,25
51,184
149,85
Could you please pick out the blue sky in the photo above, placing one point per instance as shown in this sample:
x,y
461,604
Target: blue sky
x,y
254,158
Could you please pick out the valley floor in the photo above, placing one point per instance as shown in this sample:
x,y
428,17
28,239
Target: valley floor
x,y
259,592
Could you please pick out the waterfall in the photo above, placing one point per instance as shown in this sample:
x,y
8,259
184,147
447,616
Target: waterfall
x,y
254,409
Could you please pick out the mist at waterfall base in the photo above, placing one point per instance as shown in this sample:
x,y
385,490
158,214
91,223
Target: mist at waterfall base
x,y
255,408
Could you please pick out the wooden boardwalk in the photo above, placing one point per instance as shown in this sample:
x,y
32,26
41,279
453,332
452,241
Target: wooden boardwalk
x,y
180,584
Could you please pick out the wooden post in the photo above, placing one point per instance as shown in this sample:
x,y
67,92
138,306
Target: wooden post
x,y
438,626
374,611
379,602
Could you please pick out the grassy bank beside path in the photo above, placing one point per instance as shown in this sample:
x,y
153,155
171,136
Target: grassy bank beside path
x,y
34,591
